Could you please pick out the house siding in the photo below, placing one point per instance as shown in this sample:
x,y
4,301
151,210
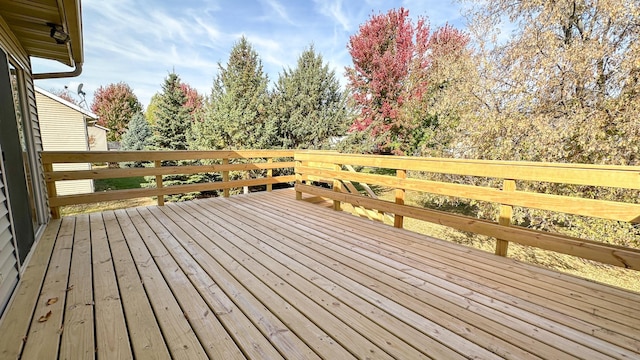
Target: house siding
x,y
64,129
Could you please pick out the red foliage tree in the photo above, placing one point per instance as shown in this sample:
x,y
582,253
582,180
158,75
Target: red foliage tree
x,y
194,101
64,95
115,105
391,60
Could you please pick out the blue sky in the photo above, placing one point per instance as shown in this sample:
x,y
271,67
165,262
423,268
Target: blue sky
x,y
141,41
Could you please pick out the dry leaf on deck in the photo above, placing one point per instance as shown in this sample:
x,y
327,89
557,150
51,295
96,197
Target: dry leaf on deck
x,y
44,318
52,301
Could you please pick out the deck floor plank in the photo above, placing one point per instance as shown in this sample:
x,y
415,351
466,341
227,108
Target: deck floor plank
x,y
444,271
271,326
363,278
357,312
265,276
78,331
264,297
112,336
211,334
236,262
178,334
143,329
17,318
575,287
43,339
513,271
348,291
229,299
482,304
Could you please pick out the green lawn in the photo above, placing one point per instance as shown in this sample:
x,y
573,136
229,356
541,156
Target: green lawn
x,y
108,185
119,183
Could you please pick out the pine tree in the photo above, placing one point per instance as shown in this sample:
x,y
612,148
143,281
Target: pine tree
x,y
173,124
236,115
137,137
138,134
308,104
173,120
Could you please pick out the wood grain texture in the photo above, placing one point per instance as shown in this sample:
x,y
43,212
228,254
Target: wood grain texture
x,y
587,249
263,276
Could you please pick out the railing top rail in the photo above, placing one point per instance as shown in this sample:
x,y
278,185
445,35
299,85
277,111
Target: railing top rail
x,y
306,154
117,156
616,176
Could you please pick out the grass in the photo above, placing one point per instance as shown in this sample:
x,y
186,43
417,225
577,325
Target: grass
x,y
119,183
105,205
612,275
107,185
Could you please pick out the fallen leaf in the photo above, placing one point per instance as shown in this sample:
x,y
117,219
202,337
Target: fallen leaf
x,y
52,301
44,318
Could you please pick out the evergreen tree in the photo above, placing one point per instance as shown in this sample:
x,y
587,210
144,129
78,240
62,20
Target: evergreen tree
x,y
138,134
236,114
173,120
173,123
308,104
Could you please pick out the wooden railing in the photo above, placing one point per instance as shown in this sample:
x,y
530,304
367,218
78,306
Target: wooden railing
x,y
330,167
270,160
335,169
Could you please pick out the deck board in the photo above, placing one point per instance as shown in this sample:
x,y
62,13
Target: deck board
x,y
112,340
264,276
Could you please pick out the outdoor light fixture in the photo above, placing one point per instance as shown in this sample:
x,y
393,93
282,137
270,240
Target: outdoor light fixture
x,y
58,34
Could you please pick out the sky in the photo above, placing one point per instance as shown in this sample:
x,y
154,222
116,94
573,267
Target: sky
x,y
141,41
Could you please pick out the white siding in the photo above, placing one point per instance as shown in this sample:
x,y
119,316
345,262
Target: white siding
x,y
64,129
8,256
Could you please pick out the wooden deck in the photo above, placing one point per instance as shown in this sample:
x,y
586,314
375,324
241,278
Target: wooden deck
x,y
264,276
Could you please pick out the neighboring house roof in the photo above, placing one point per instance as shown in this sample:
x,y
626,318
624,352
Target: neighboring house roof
x,y
75,107
29,20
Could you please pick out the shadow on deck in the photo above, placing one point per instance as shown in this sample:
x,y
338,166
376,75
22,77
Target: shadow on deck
x,y
264,276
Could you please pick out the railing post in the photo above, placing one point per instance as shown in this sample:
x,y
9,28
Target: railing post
x,y
506,213
398,220
298,178
158,164
225,178
269,174
337,187
51,190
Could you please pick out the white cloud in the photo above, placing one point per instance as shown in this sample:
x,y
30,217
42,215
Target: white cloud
x,y
278,9
334,10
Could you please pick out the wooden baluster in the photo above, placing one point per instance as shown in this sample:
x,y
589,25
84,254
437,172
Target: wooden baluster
x,y
506,213
51,190
269,174
225,178
337,187
398,220
298,179
158,164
